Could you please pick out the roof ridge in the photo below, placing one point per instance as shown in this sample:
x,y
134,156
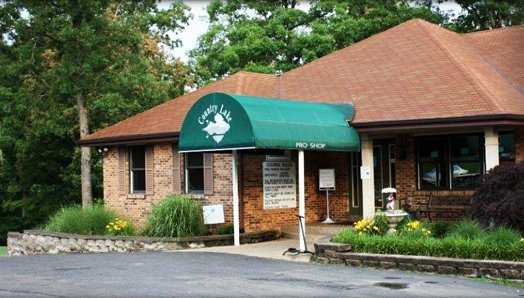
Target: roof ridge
x,y
494,30
477,84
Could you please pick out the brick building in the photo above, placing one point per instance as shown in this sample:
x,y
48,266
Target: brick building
x,y
434,110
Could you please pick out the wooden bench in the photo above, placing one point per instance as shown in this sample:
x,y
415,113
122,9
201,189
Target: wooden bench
x,y
458,206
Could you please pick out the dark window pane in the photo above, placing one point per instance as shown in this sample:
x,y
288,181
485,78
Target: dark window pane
x,y
195,159
431,148
507,146
466,174
138,158
432,176
465,147
139,180
195,179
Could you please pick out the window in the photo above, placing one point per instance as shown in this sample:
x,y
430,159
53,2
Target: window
x,y
137,169
194,172
466,163
507,146
450,162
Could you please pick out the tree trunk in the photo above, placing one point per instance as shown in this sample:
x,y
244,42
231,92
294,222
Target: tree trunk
x,y
87,196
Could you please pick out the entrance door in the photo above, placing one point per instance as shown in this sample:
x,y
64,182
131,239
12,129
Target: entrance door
x,y
383,168
355,187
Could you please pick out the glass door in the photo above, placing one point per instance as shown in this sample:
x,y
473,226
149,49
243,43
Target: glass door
x,y
383,168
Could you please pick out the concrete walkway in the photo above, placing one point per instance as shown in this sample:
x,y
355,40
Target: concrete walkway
x,y
274,249
269,249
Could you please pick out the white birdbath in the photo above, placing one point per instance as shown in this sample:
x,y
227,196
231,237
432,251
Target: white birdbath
x,y
393,214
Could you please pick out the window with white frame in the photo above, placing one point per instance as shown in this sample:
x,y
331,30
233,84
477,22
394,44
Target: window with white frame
x,y
194,169
137,169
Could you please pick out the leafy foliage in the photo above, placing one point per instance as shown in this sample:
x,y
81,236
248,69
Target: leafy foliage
x,y
500,198
500,244
275,36
414,228
78,220
489,14
53,52
466,229
225,229
120,227
439,228
376,226
176,216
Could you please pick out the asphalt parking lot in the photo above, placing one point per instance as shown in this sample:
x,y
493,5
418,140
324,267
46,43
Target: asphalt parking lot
x,y
206,274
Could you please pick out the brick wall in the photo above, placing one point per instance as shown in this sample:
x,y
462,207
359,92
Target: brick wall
x,y
255,217
138,207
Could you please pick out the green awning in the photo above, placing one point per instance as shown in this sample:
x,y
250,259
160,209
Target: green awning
x,y
220,121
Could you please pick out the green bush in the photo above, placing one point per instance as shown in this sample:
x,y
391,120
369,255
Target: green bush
x,y
225,229
380,220
502,236
466,229
439,228
176,216
78,220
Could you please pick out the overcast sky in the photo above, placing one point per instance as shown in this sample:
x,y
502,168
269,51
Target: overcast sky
x,y
200,21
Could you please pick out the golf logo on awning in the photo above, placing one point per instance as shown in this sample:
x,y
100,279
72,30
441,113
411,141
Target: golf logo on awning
x,y
218,126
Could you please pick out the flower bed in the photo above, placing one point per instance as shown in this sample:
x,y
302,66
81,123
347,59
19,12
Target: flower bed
x,y
463,240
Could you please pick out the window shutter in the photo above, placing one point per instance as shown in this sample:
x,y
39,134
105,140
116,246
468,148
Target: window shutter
x,y
149,159
122,156
177,183
208,173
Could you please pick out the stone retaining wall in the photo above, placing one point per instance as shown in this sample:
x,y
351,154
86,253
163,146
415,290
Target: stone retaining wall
x,y
335,253
39,242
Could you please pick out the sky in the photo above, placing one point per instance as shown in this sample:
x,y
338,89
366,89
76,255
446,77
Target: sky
x,y
200,21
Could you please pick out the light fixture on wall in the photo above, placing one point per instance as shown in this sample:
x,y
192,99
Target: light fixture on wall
x,y
104,150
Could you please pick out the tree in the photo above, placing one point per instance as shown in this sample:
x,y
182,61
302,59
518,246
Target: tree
x,y
68,67
489,14
275,36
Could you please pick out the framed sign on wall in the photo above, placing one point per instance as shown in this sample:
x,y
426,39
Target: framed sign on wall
x,y
279,184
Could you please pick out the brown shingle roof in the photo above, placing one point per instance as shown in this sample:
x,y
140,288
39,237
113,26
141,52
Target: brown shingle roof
x,y
414,71
166,119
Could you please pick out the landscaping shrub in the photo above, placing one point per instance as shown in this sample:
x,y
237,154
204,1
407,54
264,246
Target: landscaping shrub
x,y
376,226
414,229
176,216
78,220
439,228
466,229
502,236
500,198
225,229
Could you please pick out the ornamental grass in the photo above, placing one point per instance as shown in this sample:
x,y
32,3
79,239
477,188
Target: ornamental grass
x,y
176,216
84,221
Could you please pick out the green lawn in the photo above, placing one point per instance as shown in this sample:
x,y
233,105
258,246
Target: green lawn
x,y
3,251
